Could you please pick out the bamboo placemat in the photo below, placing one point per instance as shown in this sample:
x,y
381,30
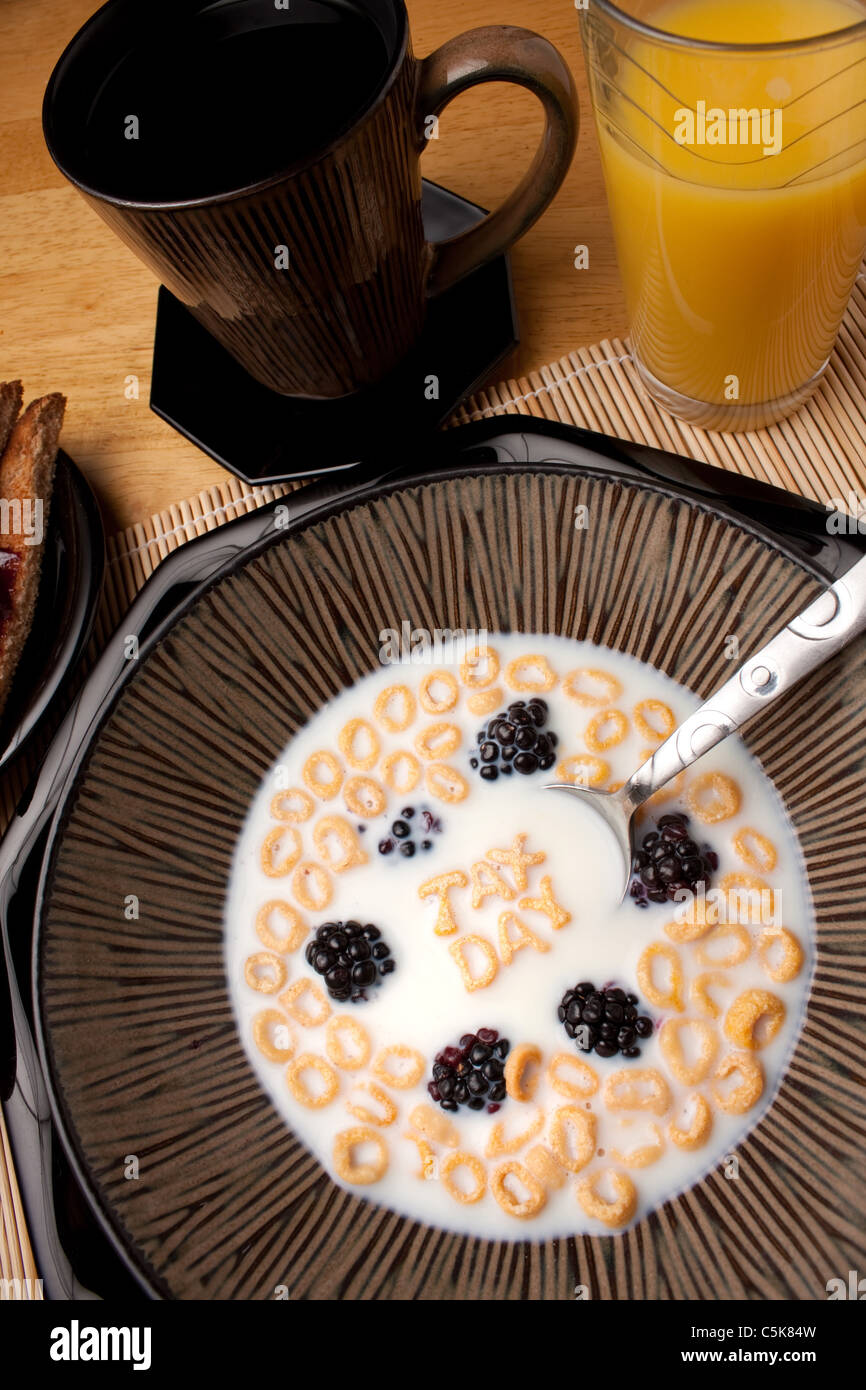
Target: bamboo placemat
x,y
819,453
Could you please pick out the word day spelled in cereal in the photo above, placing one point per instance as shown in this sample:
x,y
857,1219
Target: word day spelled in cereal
x,y
435,981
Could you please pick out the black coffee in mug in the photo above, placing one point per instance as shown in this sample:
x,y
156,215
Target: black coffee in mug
x,y
243,90
263,159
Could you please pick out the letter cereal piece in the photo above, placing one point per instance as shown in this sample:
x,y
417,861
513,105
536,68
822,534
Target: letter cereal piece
x,y
488,882
514,935
446,922
790,956
517,860
548,905
479,943
672,997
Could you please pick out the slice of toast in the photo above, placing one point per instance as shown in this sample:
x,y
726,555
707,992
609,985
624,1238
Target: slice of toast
x,y
26,478
11,396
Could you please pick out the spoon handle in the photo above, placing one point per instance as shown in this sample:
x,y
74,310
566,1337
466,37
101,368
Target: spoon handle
x,y
809,640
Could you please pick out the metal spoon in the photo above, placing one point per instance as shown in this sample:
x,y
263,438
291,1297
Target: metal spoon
x,y
827,625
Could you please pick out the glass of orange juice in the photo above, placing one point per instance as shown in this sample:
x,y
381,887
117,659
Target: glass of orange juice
x,y
733,140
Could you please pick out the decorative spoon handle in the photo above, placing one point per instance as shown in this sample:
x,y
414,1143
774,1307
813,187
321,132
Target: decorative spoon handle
x,y
809,640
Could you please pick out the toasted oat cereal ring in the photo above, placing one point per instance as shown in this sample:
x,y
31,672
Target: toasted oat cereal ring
x,y
510,1201
348,739
485,701
541,1163
457,949
750,1089
748,898
644,1156
615,1213
498,1144
737,952
311,885
335,1047
446,922
701,984
293,806
297,927
265,1036
671,1044
664,716
444,703
446,783
449,1166
401,782
699,1130
755,850
395,723
434,1125
437,741
345,1165
519,674
265,960
572,1137
364,797
401,1080
754,1019
337,828
383,1117
789,960
583,770
290,856
292,1001
672,997
607,729
584,1082
311,1061
610,692
713,797
695,917
518,1084
469,668
624,1090
323,787
428,1169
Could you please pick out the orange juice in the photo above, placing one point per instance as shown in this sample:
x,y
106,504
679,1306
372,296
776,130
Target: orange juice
x,y
738,239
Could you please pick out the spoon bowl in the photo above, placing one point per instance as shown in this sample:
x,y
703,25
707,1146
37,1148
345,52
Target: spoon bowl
x,y
809,640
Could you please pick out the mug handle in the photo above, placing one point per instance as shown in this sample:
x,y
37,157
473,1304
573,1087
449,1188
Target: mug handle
x,y
500,53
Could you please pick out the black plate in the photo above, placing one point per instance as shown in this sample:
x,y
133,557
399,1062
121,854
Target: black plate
x,y
263,437
69,588
797,525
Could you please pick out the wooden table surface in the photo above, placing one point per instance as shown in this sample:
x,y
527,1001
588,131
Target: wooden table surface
x,y
77,308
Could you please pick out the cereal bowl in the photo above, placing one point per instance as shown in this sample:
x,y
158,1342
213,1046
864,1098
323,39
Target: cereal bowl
x,y
154,1050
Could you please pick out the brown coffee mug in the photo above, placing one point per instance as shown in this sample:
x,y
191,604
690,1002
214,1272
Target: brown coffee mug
x,y
263,159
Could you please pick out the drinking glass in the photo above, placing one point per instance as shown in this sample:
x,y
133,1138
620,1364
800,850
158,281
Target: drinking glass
x,y
736,179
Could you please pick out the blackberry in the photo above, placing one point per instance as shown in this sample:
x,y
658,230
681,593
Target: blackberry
x,y
411,831
605,1020
669,861
472,1073
515,740
350,957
